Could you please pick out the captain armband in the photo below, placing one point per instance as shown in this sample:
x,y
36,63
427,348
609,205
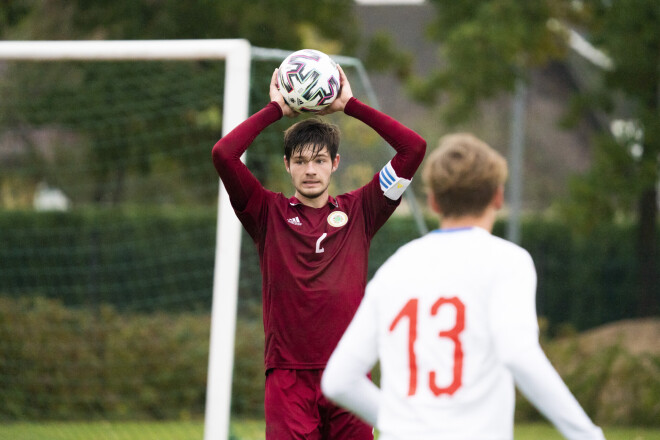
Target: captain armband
x,y
391,184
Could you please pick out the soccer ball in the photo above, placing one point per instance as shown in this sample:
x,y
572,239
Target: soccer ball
x,y
308,80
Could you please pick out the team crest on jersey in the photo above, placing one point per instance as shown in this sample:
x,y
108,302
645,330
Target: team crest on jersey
x,y
337,219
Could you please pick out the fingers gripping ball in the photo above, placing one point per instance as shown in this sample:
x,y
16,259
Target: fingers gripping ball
x,y
308,80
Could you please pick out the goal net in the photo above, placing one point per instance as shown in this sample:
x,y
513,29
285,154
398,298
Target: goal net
x,y
119,257
109,229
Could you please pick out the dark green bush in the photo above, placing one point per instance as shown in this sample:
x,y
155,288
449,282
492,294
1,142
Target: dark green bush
x,y
249,374
64,363
151,260
71,363
615,379
143,260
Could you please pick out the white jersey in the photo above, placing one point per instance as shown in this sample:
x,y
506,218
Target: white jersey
x,y
452,318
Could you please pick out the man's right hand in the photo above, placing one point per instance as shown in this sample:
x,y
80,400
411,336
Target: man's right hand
x,y
276,96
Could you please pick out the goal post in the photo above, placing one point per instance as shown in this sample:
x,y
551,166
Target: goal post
x,y
236,53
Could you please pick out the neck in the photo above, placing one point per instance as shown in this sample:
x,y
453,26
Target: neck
x,y
484,221
315,202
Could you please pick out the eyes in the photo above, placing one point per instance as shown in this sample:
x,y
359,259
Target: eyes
x,y
317,160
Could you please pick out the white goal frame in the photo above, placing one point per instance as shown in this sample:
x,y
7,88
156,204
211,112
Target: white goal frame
x,y
236,53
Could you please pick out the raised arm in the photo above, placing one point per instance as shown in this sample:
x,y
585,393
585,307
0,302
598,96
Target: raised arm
x,y
410,147
238,180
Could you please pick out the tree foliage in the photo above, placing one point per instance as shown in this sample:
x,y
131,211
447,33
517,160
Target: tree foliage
x,y
625,172
488,45
485,47
265,23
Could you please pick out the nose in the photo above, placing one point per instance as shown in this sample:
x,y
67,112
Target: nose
x,y
310,168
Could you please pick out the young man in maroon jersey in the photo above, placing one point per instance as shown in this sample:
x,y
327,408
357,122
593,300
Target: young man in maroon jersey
x,y
313,251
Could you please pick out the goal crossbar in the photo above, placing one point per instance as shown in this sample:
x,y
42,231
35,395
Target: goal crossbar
x,y
236,53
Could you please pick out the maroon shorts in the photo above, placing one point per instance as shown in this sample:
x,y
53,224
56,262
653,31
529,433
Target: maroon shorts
x,y
296,409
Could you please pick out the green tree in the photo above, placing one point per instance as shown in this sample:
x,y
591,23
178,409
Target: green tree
x,y
624,177
486,47
265,23
489,45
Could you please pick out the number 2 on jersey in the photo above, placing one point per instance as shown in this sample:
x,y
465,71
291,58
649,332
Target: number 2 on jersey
x,y
319,249
411,311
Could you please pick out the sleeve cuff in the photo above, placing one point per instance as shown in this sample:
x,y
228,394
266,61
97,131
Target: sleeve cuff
x,y
277,107
352,105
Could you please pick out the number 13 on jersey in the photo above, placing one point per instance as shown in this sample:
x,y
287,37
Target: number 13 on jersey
x,y
411,311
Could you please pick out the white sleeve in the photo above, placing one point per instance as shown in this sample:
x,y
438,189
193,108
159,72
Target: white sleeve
x,y
541,384
514,327
513,322
345,380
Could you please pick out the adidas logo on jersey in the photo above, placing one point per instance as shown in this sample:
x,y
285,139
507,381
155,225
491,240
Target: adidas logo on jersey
x,y
295,221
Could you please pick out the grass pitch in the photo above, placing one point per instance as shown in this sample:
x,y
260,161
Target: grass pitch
x,y
240,430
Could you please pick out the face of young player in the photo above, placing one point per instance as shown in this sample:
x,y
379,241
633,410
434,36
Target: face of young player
x,y
310,174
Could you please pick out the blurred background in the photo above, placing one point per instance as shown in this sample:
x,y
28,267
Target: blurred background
x,y
108,194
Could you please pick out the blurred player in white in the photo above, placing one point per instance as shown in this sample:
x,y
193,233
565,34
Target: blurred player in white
x,y
452,319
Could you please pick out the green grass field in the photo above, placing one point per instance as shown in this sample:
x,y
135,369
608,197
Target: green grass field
x,y
240,429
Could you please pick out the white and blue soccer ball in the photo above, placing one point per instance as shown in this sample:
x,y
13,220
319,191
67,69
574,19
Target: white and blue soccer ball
x,y
308,80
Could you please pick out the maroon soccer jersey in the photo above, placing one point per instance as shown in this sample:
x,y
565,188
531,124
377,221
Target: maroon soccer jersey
x,y
313,260
314,269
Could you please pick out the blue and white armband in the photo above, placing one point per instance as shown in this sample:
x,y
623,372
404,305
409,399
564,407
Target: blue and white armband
x,y
391,184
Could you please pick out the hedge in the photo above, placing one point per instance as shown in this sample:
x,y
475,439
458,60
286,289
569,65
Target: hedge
x,y
60,363
65,363
146,260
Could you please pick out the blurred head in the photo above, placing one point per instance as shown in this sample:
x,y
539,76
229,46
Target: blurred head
x,y
463,175
314,133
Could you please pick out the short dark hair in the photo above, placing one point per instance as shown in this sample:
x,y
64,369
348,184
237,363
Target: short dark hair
x,y
314,133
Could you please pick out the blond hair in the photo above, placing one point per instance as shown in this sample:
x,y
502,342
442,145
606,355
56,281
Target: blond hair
x,y
463,174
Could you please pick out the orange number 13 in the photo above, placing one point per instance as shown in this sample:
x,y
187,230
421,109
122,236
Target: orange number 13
x,y
410,311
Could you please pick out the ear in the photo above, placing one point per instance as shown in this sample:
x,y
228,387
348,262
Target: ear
x,y
286,165
498,198
335,163
433,204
